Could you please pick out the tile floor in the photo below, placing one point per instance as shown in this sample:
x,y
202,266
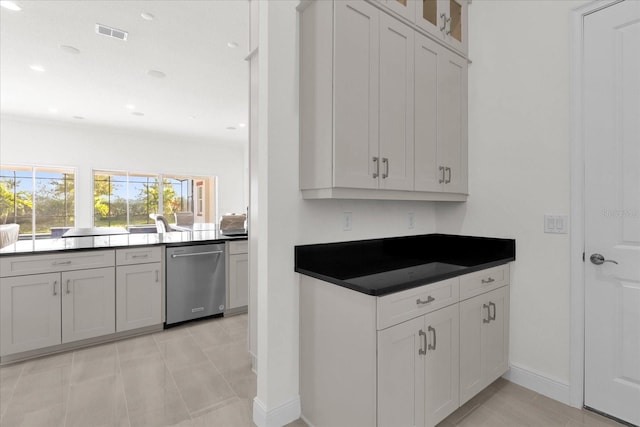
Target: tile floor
x,y
199,375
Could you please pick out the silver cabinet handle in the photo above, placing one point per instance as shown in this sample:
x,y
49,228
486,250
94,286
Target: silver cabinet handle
x,y
433,331
444,21
448,170
489,280
61,262
376,167
494,311
488,319
196,254
140,256
429,299
55,282
68,290
598,259
423,350
385,162
157,276
441,169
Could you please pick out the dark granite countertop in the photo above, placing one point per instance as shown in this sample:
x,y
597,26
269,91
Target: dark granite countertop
x,y
384,266
175,238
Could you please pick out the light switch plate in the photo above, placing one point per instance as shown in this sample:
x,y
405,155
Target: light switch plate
x,y
556,224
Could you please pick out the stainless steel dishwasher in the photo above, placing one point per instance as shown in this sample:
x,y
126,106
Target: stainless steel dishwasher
x,y
195,282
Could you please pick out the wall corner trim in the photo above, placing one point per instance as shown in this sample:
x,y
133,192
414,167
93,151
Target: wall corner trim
x,y
535,381
278,416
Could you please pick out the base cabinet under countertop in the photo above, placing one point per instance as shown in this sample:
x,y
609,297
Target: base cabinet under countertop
x,y
409,358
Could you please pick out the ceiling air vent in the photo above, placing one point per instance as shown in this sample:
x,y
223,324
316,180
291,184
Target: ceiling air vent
x,y
111,32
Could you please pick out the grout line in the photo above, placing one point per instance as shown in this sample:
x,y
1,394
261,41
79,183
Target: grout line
x,y
66,405
124,393
13,392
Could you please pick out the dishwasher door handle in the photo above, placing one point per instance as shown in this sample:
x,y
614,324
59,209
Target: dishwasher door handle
x,y
196,254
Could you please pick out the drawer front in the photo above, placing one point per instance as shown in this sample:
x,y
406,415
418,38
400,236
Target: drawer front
x,y
138,255
405,305
241,247
33,264
483,281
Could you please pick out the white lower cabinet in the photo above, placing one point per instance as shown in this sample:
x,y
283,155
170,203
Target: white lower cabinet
x,y
42,310
138,296
31,312
88,304
484,341
418,370
237,276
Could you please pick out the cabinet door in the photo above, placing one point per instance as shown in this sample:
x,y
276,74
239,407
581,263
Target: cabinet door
x,y
238,281
401,375
88,303
428,17
441,364
484,341
452,120
455,32
404,8
356,93
396,104
427,173
138,296
495,337
30,312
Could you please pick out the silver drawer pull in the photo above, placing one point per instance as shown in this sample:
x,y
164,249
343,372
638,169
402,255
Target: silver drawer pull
x,y
68,290
140,256
432,330
422,350
488,319
61,262
196,254
55,282
489,280
429,299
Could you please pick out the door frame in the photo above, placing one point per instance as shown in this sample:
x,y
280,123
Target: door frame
x,y
578,232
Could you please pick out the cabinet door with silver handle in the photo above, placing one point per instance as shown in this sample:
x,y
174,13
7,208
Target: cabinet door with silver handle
x,y
448,171
492,317
385,162
441,180
598,259
423,348
68,283
488,319
376,167
55,283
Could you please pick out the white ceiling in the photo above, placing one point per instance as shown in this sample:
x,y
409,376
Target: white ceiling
x,y
205,90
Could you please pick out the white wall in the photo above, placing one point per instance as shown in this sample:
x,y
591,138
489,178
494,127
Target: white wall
x,y
86,147
519,167
285,219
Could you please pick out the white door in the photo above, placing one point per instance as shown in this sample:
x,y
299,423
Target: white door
x,y
612,210
88,303
396,104
138,296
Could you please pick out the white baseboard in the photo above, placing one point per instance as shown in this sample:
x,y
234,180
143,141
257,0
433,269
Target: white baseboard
x,y
276,417
529,378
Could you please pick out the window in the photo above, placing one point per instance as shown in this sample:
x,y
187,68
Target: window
x,y
123,199
39,199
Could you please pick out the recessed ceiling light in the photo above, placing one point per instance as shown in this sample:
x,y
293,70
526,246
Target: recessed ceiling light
x,y
130,107
10,5
242,125
137,113
70,49
147,16
38,68
53,110
232,45
157,74
78,117
231,128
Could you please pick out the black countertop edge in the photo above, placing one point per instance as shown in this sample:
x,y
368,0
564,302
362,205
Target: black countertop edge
x,y
46,248
407,285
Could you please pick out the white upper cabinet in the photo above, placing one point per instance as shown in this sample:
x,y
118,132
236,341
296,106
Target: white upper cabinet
x,y
445,20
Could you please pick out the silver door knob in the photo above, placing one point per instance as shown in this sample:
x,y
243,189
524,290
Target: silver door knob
x,y
598,259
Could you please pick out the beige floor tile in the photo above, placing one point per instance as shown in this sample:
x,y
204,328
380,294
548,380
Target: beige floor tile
x,y
591,419
9,376
230,357
138,347
238,322
209,334
50,416
297,423
97,403
233,414
36,395
94,363
243,382
201,386
511,406
172,333
181,352
484,417
48,362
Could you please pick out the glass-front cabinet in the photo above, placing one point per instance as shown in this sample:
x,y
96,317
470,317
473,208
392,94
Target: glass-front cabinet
x,y
444,19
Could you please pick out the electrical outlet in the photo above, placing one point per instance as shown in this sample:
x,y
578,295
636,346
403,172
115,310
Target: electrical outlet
x,y
347,221
411,220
